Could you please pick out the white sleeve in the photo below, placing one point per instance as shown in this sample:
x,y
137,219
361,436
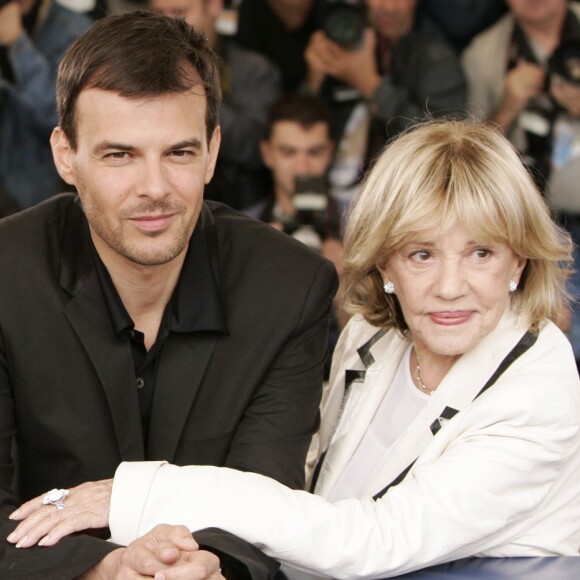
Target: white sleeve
x,y
130,490
489,472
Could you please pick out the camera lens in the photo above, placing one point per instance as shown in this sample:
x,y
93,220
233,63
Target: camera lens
x,y
345,25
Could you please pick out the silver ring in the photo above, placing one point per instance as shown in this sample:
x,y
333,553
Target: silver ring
x,y
55,497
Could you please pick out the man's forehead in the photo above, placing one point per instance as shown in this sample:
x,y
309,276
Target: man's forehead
x,y
111,112
287,129
91,96
175,5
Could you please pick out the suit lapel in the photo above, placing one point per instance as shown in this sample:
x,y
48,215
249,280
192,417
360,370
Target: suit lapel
x,y
179,377
360,403
184,365
87,314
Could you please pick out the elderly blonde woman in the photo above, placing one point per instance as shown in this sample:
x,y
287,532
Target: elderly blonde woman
x,y
452,427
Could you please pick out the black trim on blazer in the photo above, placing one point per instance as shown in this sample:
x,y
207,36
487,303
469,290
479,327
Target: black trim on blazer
x,y
525,343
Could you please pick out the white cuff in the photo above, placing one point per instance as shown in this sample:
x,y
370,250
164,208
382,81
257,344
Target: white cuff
x,y
130,490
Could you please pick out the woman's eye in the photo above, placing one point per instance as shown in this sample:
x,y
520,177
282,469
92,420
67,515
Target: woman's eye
x,y
482,252
420,256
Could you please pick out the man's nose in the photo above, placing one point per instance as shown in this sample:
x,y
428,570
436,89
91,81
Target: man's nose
x,y
152,180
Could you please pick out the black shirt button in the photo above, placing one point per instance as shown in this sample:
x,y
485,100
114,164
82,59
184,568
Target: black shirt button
x,y
131,334
140,383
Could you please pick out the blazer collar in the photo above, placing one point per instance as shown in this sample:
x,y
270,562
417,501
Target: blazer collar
x,y
362,399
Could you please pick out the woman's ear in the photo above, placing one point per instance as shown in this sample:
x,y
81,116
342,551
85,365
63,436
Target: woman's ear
x,y
383,270
63,156
521,264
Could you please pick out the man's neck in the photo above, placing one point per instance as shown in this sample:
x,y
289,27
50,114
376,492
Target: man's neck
x,y
144,290
284,202
293,17
547,32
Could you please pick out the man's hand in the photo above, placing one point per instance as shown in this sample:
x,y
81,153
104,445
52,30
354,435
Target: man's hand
x,y
357,68
10,23
566,94
87,506
522,83
165,553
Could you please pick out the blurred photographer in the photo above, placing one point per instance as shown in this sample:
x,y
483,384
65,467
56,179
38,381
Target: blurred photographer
x,y
521,76
33,36
377,82
298,151
524,75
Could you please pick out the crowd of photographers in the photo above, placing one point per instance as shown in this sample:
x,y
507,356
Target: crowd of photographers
x,y
374,66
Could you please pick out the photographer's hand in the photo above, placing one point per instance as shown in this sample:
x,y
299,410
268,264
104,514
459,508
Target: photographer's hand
x,y
566,95
10,23
357,68
523,82
316,56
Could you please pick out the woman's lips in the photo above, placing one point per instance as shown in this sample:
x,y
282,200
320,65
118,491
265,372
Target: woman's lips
x,y
451,318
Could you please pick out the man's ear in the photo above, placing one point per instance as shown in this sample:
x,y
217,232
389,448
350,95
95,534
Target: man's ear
x,y
63,156
213,150
215,8
266,152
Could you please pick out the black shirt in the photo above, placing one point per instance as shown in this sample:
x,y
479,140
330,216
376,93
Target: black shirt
x,y
194,307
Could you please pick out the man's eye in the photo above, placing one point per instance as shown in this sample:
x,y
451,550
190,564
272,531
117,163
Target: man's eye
x,y
117,155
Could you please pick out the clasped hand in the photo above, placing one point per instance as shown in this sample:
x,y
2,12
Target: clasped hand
x,y
167,552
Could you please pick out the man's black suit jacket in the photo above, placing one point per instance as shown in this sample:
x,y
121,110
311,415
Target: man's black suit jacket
x,y
247,398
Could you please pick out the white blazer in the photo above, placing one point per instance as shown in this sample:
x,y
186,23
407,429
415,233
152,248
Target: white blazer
x,y
500,477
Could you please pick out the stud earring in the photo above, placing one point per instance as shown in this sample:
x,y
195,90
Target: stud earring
x,y
513,285
389,287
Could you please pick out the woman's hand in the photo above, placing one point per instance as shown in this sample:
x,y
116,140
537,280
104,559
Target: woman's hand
x,y
165,553
87,506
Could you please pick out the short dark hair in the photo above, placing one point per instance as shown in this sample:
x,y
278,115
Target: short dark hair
x,y
137,54
302,108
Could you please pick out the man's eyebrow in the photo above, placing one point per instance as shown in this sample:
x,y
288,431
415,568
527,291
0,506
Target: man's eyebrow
x,y
195,143
106,145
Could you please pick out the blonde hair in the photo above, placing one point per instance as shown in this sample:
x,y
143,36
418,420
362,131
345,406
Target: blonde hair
x,y
442,173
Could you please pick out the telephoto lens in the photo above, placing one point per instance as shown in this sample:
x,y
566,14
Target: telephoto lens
x,y
344,23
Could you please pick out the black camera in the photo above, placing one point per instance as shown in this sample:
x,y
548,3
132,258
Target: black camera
x,y
310,201
565,62
344,22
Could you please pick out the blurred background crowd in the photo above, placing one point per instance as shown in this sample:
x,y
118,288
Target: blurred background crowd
x,y
313,89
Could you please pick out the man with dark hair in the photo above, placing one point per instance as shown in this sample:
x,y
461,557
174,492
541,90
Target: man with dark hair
x,y
298,151
138,321
297,145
